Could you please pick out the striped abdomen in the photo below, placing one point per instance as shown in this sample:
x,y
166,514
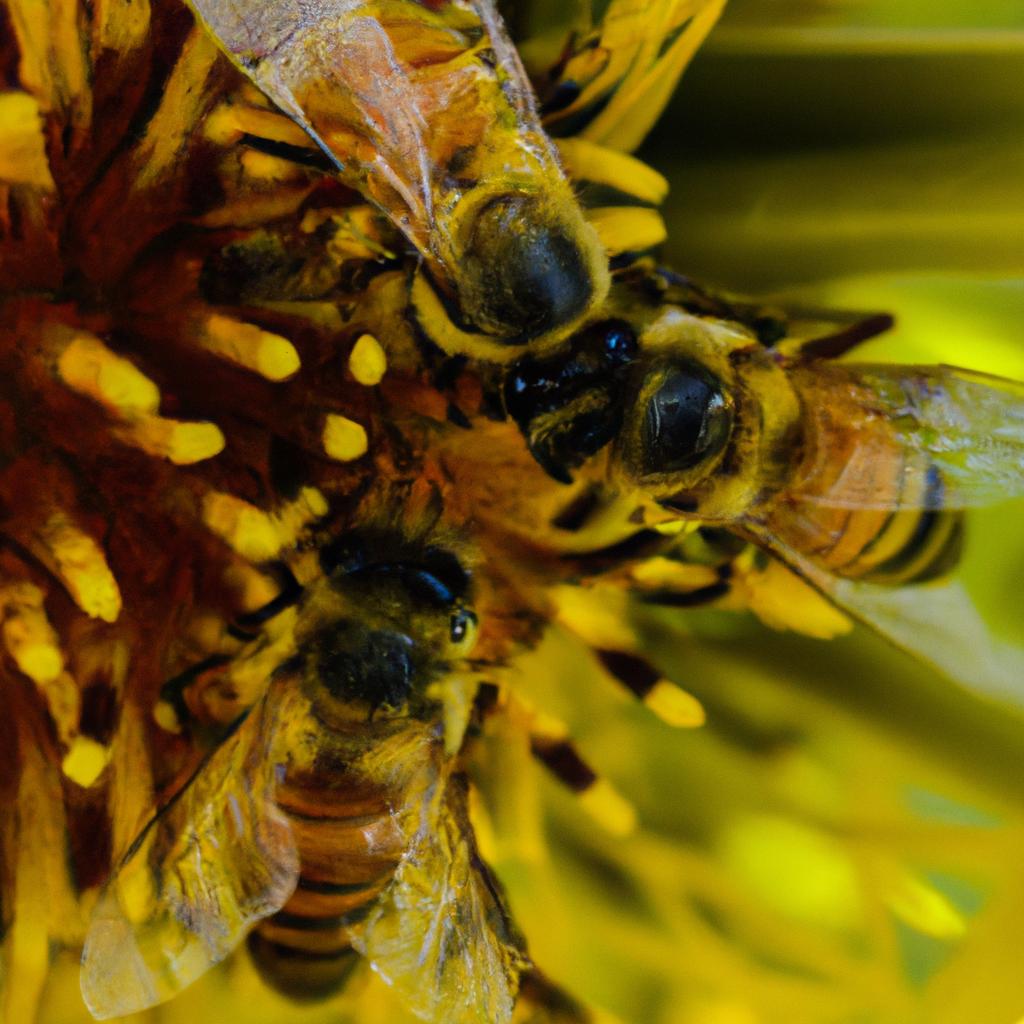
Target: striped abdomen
x,y
865,507
349,845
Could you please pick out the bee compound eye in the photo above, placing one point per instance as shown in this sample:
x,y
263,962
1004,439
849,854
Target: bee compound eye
x,y
687,419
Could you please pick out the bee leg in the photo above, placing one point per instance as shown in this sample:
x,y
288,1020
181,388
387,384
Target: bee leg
x,y
550,744
246,626
672,704
172,712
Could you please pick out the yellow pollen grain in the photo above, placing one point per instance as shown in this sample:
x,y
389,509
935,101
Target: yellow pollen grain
x,y
87,366
180,443
245,528
344,439
250,347
82,568
367,361
612,811
675,706
84,762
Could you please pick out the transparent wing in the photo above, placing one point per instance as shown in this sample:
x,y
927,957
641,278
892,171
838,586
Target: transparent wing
x,y
440,934
616,80
395,94
217,859
936,622
892,437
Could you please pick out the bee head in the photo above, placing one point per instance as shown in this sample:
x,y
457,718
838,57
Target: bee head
x,y
570,405
395,624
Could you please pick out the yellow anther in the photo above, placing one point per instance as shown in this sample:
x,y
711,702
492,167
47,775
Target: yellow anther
x,y
627,228
675,706
612,811
259,535
27,634
268,167
344,439
87,366
229,122
84,762
22,145
181,443
247,529
587,161
367,361
166,717
82,568
667,572
291,519
248,346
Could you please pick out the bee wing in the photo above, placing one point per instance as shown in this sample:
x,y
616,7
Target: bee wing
x,y
440,934
893,437
622,75
215,860
936,622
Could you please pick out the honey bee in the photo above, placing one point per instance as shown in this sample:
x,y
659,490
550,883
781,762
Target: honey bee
x,y
331,820
425,109
856,476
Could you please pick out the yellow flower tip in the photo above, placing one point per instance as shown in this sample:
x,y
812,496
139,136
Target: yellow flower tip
x,y
344,439
588,161
194,442
83,568
248,346
87,366
245,528
627,228
84,762
675,706
277,358
22,142
166,717
180,443
97,594
264,166
42,662
368,362
313,501
612,811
